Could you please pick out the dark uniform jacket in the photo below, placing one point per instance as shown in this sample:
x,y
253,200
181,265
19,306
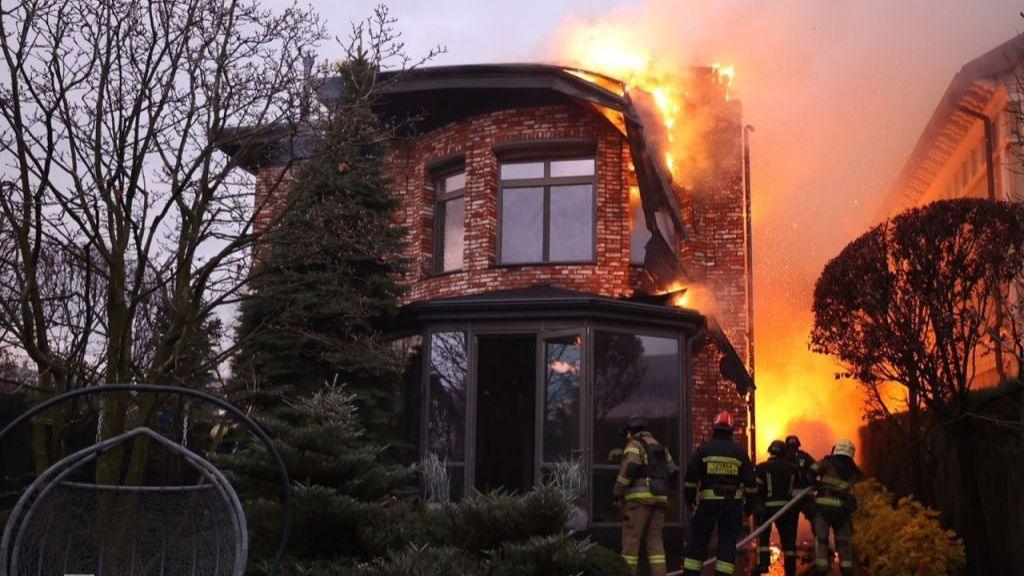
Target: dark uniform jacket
x,y
803,462
633,483
777,478
720,469
836,476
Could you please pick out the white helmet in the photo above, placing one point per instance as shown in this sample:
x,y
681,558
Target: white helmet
x,y
844,448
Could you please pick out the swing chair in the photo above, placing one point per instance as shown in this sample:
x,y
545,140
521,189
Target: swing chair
x,y
61,525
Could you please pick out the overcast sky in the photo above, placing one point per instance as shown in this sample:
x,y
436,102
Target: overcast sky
x,y
838,91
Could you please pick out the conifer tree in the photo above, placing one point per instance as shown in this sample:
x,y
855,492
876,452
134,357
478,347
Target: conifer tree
x,y
327,278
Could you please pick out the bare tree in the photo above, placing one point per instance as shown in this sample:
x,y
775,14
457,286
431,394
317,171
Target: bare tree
x,y
111,115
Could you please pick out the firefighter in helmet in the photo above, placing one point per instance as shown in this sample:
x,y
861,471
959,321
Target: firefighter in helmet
x,y
645,479
776,478
834,503
803,462
718,476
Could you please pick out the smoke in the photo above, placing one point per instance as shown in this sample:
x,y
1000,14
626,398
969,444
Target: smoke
x,y
838,93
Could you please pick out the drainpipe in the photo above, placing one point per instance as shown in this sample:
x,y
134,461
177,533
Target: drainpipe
x,y
991,181
989,151
752,402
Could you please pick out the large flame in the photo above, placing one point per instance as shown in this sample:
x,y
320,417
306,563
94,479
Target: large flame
x,y
613,50
797,393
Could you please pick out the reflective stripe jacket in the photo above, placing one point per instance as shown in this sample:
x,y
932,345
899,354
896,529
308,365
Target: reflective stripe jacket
x,y
717,467
836,476
632,482
776,478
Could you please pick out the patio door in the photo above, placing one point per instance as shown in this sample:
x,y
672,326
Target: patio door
x,y
506,383
560,399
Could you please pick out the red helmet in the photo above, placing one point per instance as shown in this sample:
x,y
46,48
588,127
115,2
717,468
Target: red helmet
x,y
723,421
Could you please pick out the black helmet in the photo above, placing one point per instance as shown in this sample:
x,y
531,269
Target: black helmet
x,y
777,448
636,424
793,441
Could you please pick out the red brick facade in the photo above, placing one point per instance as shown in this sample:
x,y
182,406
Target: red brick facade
x,y
714,252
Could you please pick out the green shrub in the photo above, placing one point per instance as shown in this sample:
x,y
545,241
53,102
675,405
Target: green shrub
x,y
902,540
486,521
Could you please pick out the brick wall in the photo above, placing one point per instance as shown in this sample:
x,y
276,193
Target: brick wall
x,y
714,252
474,139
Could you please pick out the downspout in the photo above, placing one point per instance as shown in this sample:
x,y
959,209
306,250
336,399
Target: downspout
x,y
991,181
752,402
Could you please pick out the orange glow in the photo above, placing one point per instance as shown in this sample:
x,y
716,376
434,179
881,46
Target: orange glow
x,y
797,390
611,49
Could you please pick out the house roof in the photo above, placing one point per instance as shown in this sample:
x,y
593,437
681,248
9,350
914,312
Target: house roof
x,y
436,95
546,301
971,87
542,300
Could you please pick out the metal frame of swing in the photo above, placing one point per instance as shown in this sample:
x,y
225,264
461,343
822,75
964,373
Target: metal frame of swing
x,y
23,513
67,465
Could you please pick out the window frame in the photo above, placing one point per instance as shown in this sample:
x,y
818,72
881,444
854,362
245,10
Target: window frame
x,y
546,183
441,197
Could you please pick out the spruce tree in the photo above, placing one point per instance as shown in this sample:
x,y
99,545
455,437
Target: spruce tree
x,y
326,279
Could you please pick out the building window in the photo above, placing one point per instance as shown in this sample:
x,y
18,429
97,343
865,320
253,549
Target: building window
x,y
450,222
634,374
547,211
446,404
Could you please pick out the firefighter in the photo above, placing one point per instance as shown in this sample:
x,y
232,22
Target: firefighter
x,y
776,478
834,503
645,479
717,477
803,462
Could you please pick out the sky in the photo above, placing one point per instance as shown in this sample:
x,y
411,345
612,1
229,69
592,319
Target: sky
x,y
837,92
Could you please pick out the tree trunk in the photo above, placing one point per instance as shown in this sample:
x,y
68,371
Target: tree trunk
x,y
975,536
916,448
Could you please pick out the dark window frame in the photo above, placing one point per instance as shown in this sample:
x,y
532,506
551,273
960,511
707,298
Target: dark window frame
x,y
441,198
546,183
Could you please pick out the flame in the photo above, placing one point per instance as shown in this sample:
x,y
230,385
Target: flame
x,y
795,230
599,51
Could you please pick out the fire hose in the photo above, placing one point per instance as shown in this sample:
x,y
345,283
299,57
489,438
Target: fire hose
x,y
757,532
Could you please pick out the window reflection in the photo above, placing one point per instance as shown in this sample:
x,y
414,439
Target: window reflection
x,y
446,432
633,375
563,369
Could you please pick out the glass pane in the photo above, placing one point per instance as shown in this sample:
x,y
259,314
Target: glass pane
x,y
583,167
453,234
521,170
635,375
456,477
448,367
563,365
639,235
410,351
522,226
572,223
604,502
455,182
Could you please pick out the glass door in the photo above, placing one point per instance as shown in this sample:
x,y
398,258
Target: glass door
x,y
560,400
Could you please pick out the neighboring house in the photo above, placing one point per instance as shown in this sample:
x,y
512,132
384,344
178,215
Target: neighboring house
x,y
549,247
972,132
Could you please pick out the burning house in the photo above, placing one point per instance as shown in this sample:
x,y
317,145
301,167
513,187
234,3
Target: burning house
x,y
563,279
